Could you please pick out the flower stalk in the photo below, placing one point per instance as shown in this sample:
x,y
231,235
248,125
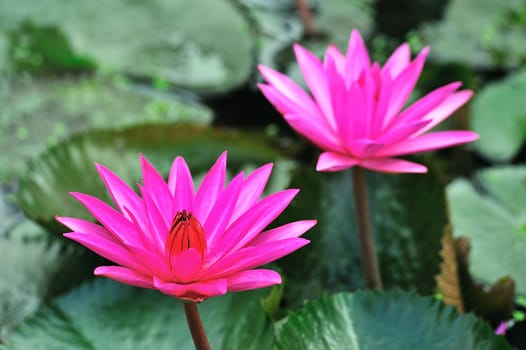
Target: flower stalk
x,y
196,326
373,280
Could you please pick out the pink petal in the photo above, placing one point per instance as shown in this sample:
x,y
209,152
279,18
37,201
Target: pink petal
x,y
210,188
329,161
428,142
398,61
404,84
401,131
358,60
446,108
252,222
157,223
314,132
316,80
336,57
251,257
80,225
155,185
393,166
287,87
424,105
195,292
286,106
181,186
124,275
290,230
252,189
107,249
364,148
122,194
348,105
111,219
252,279
151,261
186,266
222,211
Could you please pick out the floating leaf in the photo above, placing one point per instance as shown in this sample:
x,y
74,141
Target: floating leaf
x,y
492,214
491,36
408,217
174,40
28,274
69,166
499,117
458,288
107,315
384,320
279,26
44,49
37,113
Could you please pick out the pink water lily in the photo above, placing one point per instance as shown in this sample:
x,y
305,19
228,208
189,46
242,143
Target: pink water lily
x,y
356,112
187,243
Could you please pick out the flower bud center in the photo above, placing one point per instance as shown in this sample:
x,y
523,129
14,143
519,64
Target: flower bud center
x,y
186,232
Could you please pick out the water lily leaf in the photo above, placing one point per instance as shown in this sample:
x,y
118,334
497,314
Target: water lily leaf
x,y
408,216
174,40
491,213
29,273
38,113
459,289
69,166
500,103
490,37
107,315
279,26
43,49
384,320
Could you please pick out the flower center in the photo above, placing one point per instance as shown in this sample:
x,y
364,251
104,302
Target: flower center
x,y
186,232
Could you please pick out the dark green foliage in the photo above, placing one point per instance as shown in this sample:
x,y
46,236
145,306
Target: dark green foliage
x,y
384,320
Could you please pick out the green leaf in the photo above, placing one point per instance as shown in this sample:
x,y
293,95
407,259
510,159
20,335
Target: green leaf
x,y
491,36
492,214
279,26
501,103
44,50
37,113
28,273
69,166
175,40
384,320
107,315
408,217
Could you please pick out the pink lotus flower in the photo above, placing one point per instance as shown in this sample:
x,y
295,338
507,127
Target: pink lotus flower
x,y
356,112
186,243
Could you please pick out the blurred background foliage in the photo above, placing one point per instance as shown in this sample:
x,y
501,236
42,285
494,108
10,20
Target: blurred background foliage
x,y
101,81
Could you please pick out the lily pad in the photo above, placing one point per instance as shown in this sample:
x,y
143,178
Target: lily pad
x,y
384,320
408,217
179,41
107,315
279,25
28,274
37,113
479,33
69,166
499,117
492,213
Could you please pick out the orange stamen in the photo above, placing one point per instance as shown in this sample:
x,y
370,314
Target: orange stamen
x,y
186,232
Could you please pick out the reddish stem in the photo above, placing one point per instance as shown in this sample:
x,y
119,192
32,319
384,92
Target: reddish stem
x,y
196,326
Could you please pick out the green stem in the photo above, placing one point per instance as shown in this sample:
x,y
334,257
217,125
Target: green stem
x,y
196,326
373,280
